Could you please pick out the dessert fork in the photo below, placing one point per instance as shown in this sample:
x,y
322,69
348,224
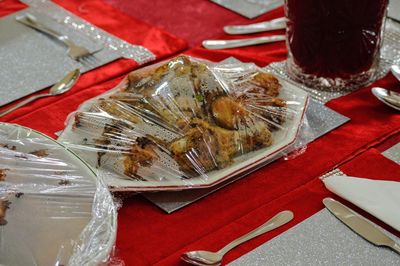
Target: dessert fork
x,y
75,51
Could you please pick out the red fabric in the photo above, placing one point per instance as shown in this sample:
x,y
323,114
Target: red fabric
x,y
191,20
146,235
37,115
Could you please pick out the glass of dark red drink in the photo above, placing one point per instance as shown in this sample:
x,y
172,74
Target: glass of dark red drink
x,y
334,44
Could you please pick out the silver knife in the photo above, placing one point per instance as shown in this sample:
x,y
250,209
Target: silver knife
x,y
360,225
275,24
222,44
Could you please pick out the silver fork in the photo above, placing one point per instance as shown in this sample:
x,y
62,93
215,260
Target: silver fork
x,y
75,51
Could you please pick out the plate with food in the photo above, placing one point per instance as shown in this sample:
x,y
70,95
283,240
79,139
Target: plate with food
x,y
53,208
185,123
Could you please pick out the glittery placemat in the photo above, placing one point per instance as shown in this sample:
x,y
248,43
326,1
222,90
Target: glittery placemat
x,y
320,240
393,153
320,120
31,61
250,8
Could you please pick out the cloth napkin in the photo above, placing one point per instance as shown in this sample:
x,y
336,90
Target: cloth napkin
x,y
377,197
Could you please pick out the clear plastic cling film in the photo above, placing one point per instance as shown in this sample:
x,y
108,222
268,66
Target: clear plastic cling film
x,y
186,122
53,208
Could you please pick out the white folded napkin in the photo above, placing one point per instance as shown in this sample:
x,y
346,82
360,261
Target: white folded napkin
x,y
377,197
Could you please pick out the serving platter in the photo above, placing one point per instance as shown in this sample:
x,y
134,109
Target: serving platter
x,y
164,178
55,209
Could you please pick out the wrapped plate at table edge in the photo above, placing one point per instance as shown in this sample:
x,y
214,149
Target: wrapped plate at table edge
x,y
54,210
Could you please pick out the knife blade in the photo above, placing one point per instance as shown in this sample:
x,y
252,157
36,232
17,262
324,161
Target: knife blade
x,y
360,225
275,24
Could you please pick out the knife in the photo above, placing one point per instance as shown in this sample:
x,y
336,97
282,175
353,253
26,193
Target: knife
x,y
275,24
222,44
360,225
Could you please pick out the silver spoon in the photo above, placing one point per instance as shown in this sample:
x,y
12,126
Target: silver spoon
x,y
224,44
59,88
396,71
390,98
202,257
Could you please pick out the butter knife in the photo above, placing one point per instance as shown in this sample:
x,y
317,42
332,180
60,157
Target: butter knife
x,y
222,44
275,24
360,225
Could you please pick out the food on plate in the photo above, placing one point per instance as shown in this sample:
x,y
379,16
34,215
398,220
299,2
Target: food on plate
x,y
205,147
3,174
4,205
40,153
6,146
183,115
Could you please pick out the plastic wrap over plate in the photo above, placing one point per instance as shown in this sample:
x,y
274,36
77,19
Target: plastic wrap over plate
x,y
186,123
53,208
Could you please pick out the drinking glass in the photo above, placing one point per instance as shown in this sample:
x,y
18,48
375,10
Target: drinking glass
x,y
334,44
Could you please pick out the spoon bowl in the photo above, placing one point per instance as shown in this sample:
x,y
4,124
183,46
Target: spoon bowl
x,y
65,83
202,257
60,87
388,97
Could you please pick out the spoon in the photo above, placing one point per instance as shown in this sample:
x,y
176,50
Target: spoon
x,y
395,71
224,44
59,88
202,257
388,97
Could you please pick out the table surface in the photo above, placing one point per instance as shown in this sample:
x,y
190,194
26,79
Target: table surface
x,y
147,235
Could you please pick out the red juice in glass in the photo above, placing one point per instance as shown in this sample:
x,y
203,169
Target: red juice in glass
x,y
334,43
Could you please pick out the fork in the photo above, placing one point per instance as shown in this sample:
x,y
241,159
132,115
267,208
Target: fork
x,y
75,51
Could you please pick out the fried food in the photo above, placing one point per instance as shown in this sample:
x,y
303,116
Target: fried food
x,y
205,147
228,113
183,111
266,84
3,174
141,154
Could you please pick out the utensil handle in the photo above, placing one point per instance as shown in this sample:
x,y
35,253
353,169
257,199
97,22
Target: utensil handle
x,y
23,103
31,21
275,24
222,44
276,221
396,247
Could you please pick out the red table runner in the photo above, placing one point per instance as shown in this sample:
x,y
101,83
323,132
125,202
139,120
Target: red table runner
x,y
146,235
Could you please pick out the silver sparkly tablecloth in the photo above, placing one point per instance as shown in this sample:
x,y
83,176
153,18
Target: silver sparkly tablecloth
x,y
393,153
323,240
250,8
320,240
31,61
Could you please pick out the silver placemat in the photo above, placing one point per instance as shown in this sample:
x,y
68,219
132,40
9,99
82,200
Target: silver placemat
x,y
320,119
313,240
394,9
390,55
320,240
393,153
31,61
137,53
250,8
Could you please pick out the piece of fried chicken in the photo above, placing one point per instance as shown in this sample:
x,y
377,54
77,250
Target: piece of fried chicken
x,y
206,147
